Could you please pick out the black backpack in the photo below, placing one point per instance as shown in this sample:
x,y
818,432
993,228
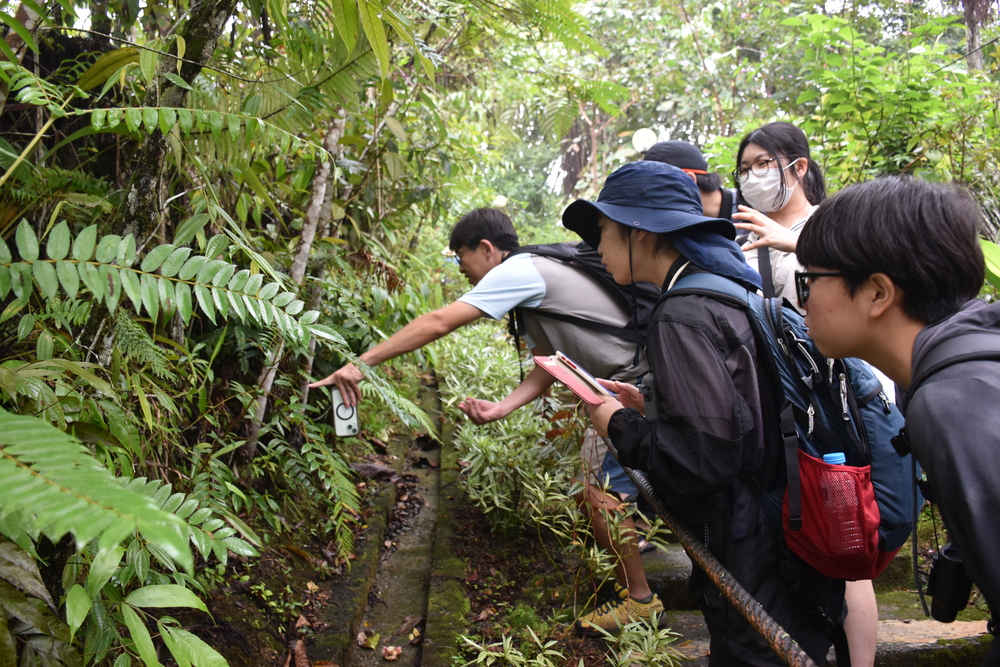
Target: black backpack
x,y
581,255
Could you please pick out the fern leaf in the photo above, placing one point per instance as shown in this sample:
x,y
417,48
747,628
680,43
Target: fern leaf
x,y
59,487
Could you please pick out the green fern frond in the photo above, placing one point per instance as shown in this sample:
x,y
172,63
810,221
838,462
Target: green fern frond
x,y
247,130
558,117
207,530
182,281
133,341
56,485
411,414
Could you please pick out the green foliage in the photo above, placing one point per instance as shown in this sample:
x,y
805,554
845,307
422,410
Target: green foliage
x,y
422,112
512,470
887,108
991,251
643,643
53,485
104,269
537,653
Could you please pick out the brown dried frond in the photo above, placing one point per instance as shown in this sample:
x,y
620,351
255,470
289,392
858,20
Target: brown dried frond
x,y
376,270
299,652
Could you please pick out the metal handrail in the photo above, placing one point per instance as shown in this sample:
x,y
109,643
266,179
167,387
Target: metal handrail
x,y
776,637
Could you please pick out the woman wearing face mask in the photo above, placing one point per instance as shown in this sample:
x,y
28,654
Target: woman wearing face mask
x,y
782,186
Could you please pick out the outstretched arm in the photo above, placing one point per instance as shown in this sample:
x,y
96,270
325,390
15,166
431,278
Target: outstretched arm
x,y
421,331
533,386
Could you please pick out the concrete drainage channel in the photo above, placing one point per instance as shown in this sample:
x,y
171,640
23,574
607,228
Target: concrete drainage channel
x,y
404,591
408,590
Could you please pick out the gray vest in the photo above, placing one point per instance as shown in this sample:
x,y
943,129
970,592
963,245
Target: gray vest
x,y
570,291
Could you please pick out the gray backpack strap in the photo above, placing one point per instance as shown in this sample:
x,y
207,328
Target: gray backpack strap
x,y
710,282
967,347
766,274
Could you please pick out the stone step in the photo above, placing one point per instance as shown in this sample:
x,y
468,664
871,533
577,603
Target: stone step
x,y
905,636
667,571
901,643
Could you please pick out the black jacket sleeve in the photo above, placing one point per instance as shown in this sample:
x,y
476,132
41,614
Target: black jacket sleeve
x,y
708,408
954,428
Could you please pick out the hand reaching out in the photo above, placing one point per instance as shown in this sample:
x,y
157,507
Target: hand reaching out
x,y
482,412
346,379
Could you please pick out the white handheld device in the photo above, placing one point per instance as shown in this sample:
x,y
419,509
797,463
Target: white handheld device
x,y
345,419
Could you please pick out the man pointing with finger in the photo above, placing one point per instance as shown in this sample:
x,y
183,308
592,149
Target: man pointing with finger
x,y
552,297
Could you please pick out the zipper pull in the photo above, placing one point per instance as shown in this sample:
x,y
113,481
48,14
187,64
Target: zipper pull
x,y
885,403
781,344
812,419
846,414
829,366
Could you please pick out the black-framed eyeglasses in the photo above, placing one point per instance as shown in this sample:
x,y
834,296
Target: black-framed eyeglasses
x,y
758,168
802,279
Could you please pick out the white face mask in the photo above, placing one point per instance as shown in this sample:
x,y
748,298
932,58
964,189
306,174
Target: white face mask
x,y
761,192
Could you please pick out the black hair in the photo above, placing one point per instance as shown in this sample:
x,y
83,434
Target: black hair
x,y
924,236
491,224
787,143
662,240
708,183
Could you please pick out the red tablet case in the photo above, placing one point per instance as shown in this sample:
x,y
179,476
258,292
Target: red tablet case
x,y
556,369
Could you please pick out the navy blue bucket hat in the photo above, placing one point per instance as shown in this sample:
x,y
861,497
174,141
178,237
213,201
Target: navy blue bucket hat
x,y
660,198
652,196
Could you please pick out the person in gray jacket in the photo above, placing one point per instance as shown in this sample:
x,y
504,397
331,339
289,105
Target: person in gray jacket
x,y
893,268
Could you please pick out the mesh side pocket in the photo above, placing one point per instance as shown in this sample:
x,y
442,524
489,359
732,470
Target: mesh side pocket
x,y
840,519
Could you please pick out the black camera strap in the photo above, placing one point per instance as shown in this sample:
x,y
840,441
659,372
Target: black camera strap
x,y
913,542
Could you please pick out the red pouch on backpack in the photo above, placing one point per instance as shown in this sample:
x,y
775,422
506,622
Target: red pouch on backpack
x,y
840,520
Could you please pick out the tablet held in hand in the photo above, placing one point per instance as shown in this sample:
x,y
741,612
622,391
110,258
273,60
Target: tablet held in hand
x,y
575,377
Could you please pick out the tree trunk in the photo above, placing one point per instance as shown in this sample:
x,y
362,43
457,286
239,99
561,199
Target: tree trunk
x,y
138,213
139,210
312,222
975,59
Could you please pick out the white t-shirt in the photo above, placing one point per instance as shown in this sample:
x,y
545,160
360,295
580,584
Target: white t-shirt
x,y
514,283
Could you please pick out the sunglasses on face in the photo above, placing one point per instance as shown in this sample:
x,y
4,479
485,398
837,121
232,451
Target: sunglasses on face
x,y
802,282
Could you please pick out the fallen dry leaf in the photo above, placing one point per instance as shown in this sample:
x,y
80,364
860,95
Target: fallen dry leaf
x,y
311,587
299,651
364,641
301,553
485,613
409,623
391,652
325,663
301,621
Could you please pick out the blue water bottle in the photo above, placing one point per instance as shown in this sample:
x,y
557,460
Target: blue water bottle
x,y
839,496
836,458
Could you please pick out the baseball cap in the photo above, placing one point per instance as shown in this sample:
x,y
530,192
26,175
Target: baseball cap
x,y
681,154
